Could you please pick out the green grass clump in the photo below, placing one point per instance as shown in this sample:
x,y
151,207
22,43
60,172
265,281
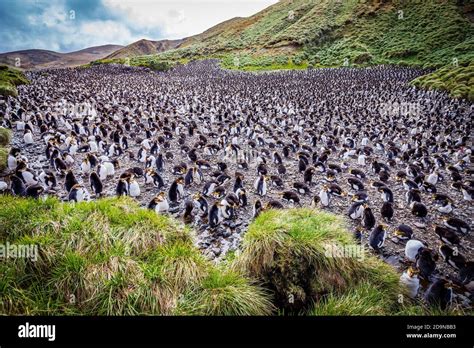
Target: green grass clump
x,y
93,258
3,158
9,79
457,80
287,251
226,293
5,136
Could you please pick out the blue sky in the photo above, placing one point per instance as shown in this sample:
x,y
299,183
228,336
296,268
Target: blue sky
x,y
69,25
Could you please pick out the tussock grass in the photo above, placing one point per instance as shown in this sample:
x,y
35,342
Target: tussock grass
x,y
457,80
5,136
287,251
98,258
9,79
3,158
226,293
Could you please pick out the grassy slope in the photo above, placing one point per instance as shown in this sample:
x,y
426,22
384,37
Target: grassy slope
x,y
9,79
110,257
457,80
299,33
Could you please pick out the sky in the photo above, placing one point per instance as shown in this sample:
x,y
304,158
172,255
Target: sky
x,y
70,25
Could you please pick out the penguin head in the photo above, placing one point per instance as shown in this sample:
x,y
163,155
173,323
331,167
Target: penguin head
x,y
412,272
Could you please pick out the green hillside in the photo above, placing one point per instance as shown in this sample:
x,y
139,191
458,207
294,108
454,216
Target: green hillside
x,y
326,33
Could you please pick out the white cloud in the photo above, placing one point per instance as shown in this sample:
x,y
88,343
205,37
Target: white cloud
x,y
178,19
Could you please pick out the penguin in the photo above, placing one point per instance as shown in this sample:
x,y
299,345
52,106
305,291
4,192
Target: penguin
x,y
215,217
301,188
133,187
17,186
324,196
368,218
445,207
78,194
159,203
209,188
188,178
413,195
377,237
425,261
70,181
48,179
447,236
356,210
26,174
34,191
404,232
159,163
359,174
412,248
439,294
176,191
152,177
452,257
273,204
315,202
386,211
13,156
355,184
238,184
201,203
410,280
28,137
261,185
291,197
257,209
96,184
122,188
85,166
387,194
241,194
419,210
466,276
467,192
308,175
188,212
457,225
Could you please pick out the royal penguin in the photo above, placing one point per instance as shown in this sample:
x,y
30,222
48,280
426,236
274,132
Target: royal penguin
x,y
78,193
96,184
452,256
386,211
368,218
159,203
176,191
356,210
410,280
439,294
377,237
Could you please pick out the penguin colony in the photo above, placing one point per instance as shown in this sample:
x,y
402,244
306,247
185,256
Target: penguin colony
x,y
215,148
